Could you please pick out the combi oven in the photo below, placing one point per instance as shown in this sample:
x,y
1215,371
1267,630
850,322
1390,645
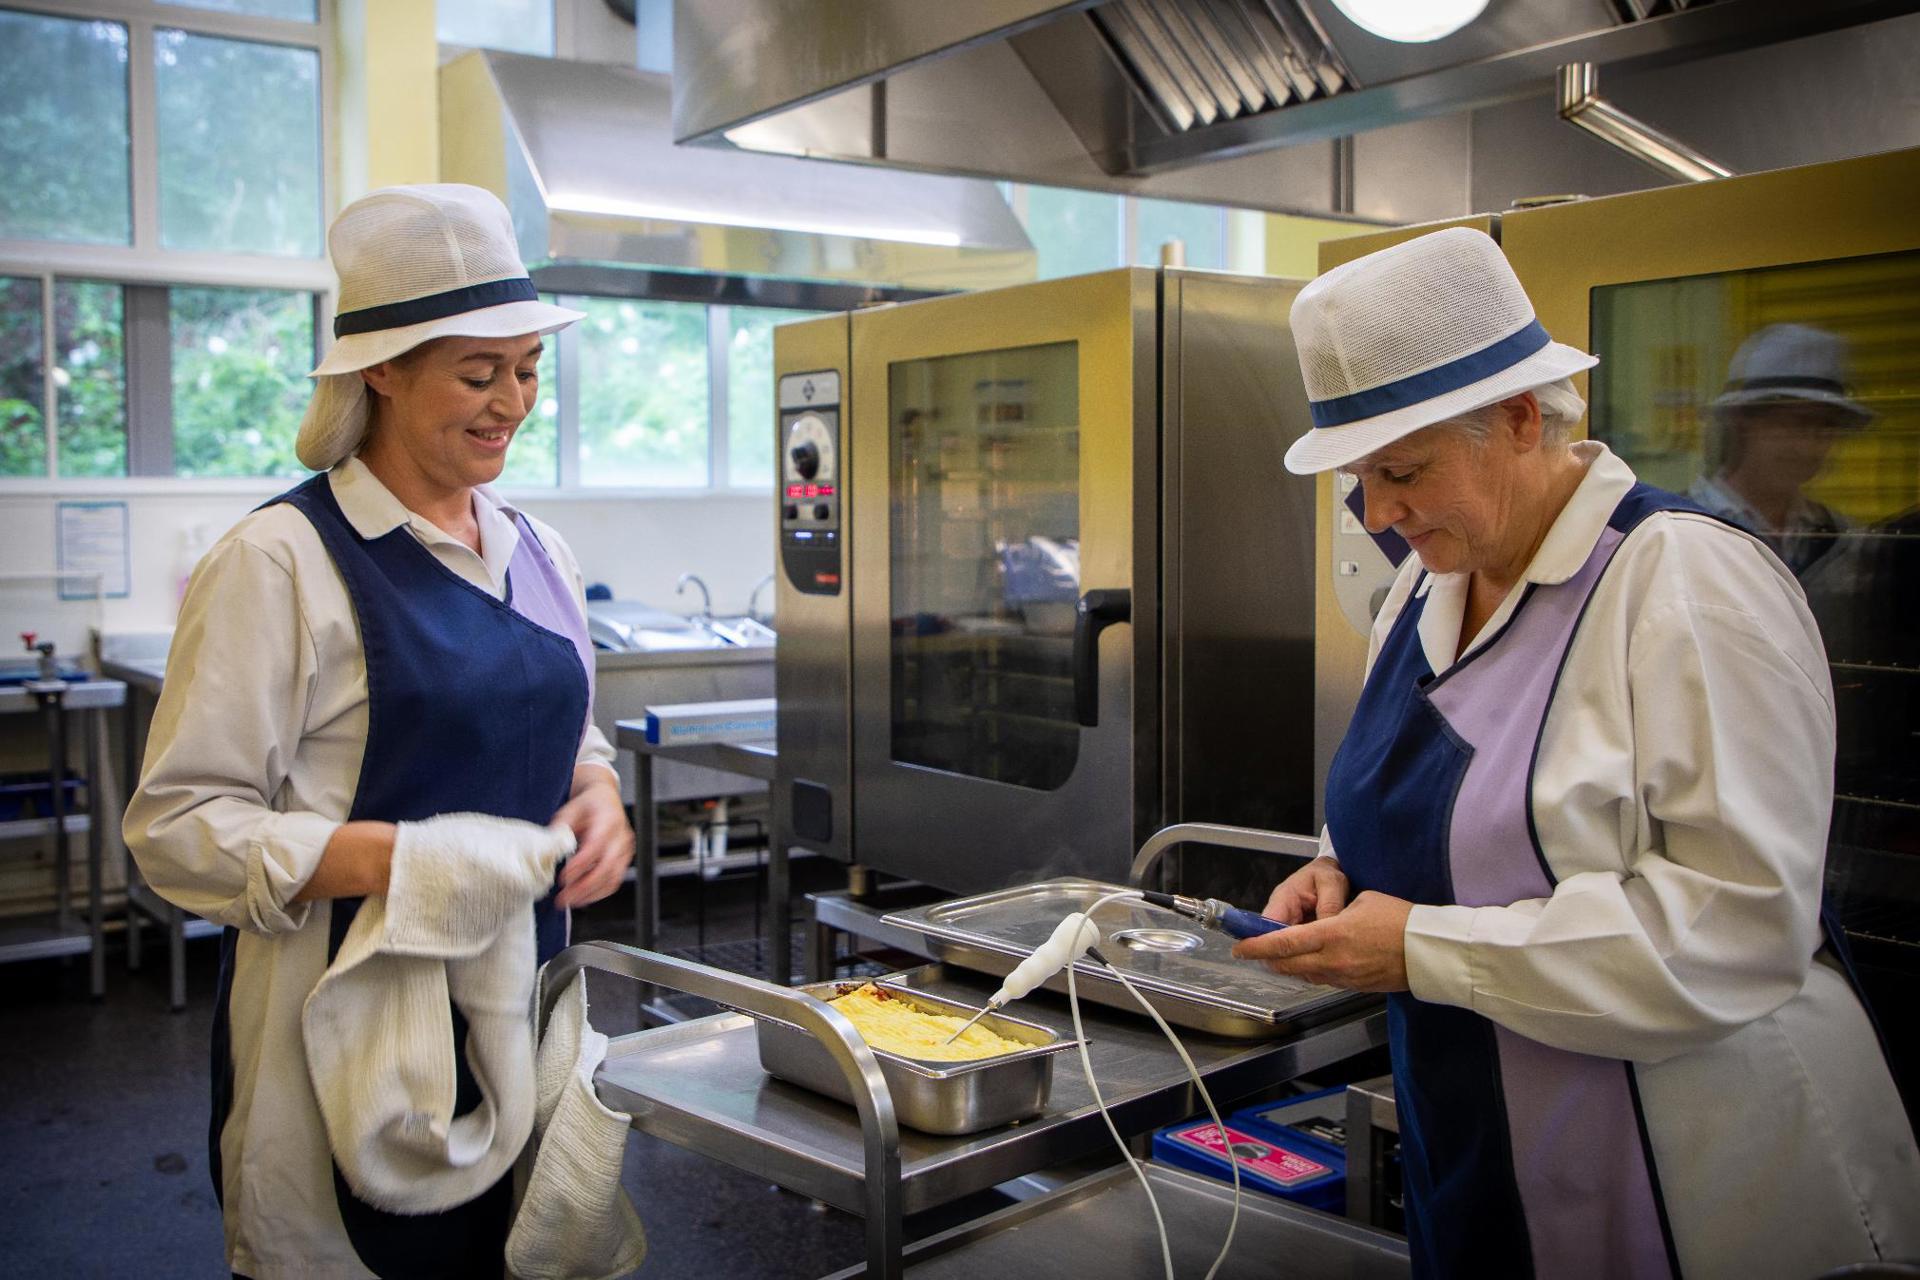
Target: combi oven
x,y
1044,583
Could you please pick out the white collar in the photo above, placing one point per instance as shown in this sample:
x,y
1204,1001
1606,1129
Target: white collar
x,y
373,511
1565,549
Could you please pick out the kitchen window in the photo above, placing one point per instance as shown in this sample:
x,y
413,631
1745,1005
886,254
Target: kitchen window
x,y
161,267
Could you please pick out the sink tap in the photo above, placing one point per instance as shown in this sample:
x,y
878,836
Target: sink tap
x,y
706,596
754,595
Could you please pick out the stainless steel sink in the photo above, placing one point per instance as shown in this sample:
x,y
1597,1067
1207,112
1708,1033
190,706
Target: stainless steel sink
x,y
743,632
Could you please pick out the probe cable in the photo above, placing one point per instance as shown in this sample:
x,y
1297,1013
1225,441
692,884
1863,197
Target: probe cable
x,y
1086,1065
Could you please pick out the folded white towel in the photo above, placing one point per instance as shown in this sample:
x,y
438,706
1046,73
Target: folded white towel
x,y
456,924
575,1221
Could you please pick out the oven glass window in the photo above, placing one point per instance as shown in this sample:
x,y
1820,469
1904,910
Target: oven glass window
x,y
1787,400
985,480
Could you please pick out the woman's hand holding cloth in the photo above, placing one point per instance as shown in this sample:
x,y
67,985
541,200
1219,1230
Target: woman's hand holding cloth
x,y
456,925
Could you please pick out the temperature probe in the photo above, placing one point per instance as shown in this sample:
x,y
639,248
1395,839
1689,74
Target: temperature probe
x,y
1211,913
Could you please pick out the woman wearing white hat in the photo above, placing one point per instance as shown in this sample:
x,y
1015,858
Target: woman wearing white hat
x,y
360,666
1578,825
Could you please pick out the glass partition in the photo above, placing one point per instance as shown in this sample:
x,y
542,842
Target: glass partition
x,y
985,489
1787,400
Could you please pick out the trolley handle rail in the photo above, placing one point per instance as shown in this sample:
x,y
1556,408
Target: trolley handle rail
x,y
880,1129
1249,838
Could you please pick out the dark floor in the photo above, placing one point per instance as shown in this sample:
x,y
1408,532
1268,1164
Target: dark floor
x,y
103,1122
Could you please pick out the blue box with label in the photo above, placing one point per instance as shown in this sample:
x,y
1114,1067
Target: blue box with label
x,y
1273,1161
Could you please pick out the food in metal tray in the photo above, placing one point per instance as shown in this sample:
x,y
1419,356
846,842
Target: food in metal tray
x,y
889,1023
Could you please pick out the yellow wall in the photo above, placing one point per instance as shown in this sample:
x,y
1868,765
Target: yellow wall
x,y
1293,243
388,126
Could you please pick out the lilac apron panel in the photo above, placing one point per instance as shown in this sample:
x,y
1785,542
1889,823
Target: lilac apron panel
x,y
1573,1121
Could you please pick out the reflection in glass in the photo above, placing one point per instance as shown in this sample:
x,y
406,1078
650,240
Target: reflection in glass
x,y
239,138
534,456
985,480
64,147
1787,401
1073,232
750,416
23,424
90,377
240,359
518,26
1200,228
643,393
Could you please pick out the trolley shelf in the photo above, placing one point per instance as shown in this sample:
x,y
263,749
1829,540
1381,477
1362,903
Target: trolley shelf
x,y
700,1084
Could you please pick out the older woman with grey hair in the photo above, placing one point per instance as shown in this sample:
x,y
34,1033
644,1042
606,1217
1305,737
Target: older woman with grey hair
x,y
1578,824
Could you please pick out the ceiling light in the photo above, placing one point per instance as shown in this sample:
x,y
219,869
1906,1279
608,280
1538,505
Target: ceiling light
x,y
761,221
1411,21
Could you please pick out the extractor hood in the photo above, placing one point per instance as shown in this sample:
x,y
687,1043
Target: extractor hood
x,y
604,202
1237,101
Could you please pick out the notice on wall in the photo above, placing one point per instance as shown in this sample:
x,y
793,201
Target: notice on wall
x,y
93,552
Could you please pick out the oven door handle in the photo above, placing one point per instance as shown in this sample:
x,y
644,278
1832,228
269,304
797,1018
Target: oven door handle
x,y
1097,610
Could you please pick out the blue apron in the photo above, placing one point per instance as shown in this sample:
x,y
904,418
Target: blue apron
x,y
1428,799
473,705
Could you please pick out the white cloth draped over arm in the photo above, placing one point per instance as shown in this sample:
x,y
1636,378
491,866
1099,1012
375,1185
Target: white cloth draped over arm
x,y
206,824
1683,793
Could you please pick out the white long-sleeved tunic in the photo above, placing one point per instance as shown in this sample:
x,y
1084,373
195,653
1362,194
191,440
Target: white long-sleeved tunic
x,y
252,762
1682,795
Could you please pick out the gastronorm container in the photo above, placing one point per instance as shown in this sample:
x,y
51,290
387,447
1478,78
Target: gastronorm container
x,y
1185,972
934,1097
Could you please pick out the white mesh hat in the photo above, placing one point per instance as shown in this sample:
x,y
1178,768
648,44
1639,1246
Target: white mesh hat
x,y
415,263
1786,362
1413,335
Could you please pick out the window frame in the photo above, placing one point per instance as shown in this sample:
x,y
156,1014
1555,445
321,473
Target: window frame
x,y
144,263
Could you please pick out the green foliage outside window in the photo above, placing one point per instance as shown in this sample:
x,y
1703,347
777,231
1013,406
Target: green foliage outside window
x,y
23,430
90,377
63,147
644,404
239,137
240,358
750,414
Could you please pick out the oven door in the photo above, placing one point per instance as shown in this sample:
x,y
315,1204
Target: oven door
x,y
1004,516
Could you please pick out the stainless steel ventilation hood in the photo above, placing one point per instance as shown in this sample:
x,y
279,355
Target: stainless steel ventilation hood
x,y
603,201
1237,101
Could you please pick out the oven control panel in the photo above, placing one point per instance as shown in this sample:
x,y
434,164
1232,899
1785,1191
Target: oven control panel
x,y
812,482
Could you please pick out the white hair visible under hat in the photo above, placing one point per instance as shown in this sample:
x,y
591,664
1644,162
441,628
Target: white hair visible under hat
x,y
415,263
1782,363
1411,336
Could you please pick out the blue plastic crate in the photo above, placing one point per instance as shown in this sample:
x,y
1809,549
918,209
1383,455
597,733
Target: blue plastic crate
x,y
1291,1171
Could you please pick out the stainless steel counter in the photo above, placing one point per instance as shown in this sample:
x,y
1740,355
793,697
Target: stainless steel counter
x,y
1106,1216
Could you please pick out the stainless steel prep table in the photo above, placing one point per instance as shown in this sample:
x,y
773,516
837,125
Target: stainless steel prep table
x,y
751,759
144,676
1106,1216
25,938
699,1085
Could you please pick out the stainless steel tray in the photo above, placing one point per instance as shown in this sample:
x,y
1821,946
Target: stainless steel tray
x,y
1186,972
933,1097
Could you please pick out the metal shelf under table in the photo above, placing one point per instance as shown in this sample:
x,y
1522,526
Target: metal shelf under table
x,y
1106,1216
699,1085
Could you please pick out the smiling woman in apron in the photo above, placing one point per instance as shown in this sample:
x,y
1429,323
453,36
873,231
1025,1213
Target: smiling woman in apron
x,y
1578,825
386,644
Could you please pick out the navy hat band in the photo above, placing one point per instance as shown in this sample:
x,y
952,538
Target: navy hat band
x,y
435,306
1788,382
1429,383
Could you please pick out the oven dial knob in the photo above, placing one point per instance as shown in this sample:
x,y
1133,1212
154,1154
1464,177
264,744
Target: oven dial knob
x,y
821,511
806,460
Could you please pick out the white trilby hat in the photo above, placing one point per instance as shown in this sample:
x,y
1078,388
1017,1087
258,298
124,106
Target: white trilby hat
x,y
415,263
1413,335
1792,362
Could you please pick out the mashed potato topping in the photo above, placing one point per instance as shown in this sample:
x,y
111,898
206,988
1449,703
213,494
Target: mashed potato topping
x,y
886,1022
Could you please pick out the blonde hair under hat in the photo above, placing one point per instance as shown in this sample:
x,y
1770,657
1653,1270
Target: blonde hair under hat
x,y
1414,335
415,263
